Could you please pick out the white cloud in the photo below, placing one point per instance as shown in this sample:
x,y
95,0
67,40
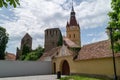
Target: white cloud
x,y
34,16
94,13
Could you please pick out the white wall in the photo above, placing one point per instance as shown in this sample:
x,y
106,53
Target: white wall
x,y
24,68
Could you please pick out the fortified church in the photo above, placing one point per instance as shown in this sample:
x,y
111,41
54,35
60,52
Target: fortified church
x,y
68,57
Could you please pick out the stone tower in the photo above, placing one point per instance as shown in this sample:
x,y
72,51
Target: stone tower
x,y
52,38
26,41
73,28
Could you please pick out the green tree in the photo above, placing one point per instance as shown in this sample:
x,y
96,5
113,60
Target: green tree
x,y
3,42
35,55
25,51
115,23
60,41
5,3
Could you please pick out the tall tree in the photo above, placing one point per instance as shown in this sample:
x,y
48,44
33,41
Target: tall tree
x,y
3,35
114,23
3,42
5,3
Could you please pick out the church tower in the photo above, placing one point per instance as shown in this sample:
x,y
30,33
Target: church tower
x,y
73,28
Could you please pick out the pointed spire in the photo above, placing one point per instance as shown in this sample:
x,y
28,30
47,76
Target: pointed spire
x,y
72,9
73,21
72,6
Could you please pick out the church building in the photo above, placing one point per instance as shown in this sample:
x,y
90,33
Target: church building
x,y
70,58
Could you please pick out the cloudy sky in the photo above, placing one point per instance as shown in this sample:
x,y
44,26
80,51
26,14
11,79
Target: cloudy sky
x,y
34,16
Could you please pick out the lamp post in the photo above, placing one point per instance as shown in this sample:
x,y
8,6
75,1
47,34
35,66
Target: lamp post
x,y
113,54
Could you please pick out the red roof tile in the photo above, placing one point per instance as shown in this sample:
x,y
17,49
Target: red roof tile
x,y
64,51
96,50
10,56
50,53
57,52
69,43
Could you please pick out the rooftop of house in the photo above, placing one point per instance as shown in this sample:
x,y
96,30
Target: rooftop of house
x,y
96,50
69,43
50,53
10,56
100,49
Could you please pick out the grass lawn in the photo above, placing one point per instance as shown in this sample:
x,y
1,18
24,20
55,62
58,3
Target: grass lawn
x,y
78,78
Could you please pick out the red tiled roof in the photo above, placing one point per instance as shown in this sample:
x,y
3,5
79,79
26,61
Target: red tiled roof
x,y
57,52
64,51
69,43
10,56
96,50
50,53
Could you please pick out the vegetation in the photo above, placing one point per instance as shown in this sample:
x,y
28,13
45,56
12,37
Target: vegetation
x,y
5,3
75,49
115,23
3,42
33,55
3,35
25,51
60,42
78,78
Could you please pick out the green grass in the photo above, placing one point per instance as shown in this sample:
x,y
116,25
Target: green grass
x,y
78,78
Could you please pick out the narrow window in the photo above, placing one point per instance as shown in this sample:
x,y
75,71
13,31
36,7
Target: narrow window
x,y
46,32
50,32
74,35
69,36
56,32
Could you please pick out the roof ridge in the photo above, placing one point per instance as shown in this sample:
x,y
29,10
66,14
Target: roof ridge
x,y
95,42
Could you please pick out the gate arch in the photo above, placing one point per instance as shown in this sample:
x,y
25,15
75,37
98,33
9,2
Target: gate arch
x,y
65,68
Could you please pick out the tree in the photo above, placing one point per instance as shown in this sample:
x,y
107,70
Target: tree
x,y
3,35
35,55
25,51
114,23
3,42
5,3
60,41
